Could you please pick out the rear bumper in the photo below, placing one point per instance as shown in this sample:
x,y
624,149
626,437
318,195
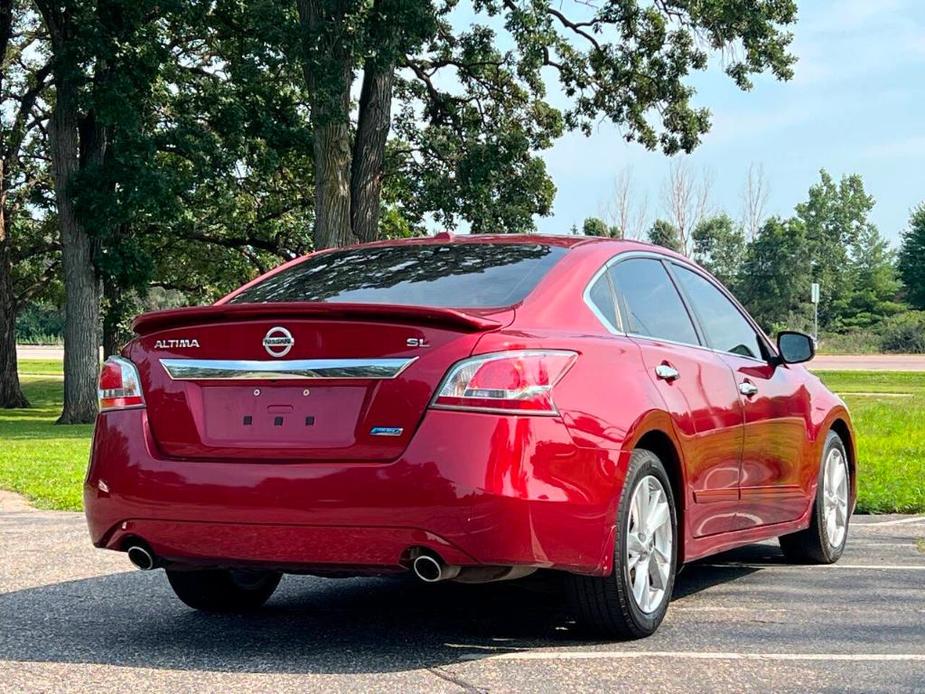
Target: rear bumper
x,y
477,489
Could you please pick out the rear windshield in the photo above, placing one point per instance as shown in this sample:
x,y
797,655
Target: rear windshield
x,y
457,275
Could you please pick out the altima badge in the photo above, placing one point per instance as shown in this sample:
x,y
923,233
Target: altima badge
x,y
278,341
176,344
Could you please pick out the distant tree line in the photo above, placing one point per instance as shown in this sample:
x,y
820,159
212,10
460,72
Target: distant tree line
x,y
829,240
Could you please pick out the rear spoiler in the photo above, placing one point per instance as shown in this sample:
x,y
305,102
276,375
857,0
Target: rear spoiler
x,y
198,315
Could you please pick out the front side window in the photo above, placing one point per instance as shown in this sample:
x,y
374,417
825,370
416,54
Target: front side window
x,y
653,305
451,275
725,328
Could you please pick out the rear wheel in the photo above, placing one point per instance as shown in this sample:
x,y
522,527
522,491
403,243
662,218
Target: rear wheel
x,y
631,602
222,590
824,540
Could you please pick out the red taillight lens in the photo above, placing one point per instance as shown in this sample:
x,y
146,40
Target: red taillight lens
x,y
518,382
120,386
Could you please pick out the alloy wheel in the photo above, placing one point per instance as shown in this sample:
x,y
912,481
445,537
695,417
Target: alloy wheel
x,y
835,497
649,544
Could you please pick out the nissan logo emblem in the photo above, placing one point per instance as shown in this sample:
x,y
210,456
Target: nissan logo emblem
x,y
278,341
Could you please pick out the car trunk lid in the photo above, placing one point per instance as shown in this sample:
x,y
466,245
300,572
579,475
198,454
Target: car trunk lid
x,y
297,381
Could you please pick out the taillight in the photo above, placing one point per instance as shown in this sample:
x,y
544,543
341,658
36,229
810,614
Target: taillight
x,y
120,386
511,382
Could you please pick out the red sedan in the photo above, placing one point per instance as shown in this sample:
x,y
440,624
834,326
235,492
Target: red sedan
x,y
468,409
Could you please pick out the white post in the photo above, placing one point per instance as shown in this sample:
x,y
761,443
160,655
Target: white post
x,y
814,296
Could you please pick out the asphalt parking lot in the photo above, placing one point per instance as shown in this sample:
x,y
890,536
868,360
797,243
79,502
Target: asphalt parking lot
x,y
76,619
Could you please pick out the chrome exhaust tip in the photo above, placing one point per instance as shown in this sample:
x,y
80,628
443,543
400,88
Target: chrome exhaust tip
x,y
141,557
430,569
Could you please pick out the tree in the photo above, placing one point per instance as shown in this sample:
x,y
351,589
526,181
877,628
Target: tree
x,y
103,56
719,246
834,217
626,211
754,199
665,234
776,275
24,263
595,226
470,116
873,280
205,186
912,258
685,197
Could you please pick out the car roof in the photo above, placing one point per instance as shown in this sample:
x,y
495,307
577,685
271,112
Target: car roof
x,y
561,240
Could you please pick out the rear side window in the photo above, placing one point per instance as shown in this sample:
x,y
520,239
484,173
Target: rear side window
x,y
601,298
653,305
726,328
456,275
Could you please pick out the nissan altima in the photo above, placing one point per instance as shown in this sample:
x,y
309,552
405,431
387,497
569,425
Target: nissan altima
x,y
469,409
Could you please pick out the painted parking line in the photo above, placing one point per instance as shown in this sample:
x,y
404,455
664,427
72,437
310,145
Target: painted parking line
x,y
699,655
815,567
886,524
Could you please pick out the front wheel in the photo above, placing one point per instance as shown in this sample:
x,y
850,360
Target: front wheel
x,y
824,540
632,601
222,590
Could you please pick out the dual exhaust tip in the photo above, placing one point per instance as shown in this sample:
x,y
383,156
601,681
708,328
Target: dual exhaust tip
x,y
427,568
142,557
430,569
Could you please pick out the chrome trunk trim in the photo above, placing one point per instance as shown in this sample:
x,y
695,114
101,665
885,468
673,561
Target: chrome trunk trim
x,y
233,369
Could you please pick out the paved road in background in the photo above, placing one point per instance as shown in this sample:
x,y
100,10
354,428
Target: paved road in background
x,y
868,362
39,352
860,362
77,619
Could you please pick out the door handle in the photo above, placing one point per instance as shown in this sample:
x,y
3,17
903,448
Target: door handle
x,y
667,372
748,389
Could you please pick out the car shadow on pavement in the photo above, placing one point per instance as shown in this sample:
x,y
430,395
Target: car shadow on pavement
x,y
310,625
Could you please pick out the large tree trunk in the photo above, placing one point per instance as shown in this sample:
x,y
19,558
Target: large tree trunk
x,y
375,120
328,70
11,394
332,186
81,284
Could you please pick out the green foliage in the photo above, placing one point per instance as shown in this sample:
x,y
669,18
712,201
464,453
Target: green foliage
x,y
872,279
40,323
776,273
627,60
912,258
665,234
471,116
830,241
719,246
594,226
840,240
904,333
853,342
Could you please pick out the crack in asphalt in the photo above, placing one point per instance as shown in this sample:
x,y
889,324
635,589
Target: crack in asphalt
x,y
453,679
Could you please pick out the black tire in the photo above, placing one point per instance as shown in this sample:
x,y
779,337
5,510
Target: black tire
x,y
812,546
221,590
605,604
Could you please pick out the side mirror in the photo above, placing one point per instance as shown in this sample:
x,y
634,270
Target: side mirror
x,y
795,348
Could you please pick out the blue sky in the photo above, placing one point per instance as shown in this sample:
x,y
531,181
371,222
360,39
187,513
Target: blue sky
x,y
855,105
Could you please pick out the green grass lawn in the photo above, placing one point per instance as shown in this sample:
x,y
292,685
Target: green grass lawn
x,y
891,436
46,462
38,459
